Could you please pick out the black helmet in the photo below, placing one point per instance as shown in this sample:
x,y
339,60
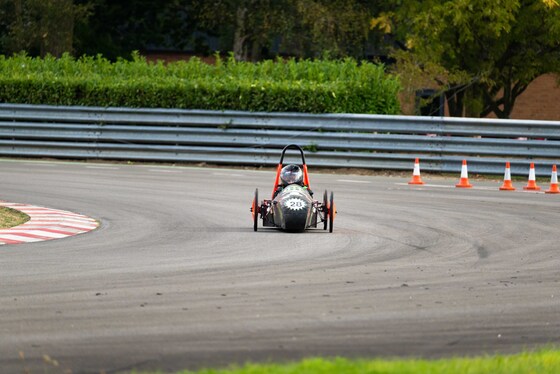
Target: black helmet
x,y
291,174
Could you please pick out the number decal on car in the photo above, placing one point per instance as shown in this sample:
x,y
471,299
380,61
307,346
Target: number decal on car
x,y
295,204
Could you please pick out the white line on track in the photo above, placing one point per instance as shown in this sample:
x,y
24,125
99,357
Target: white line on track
x,y
102,167
43,233
228,174
19,238
352,181
426,185
165,171
43,164
73,226
419,186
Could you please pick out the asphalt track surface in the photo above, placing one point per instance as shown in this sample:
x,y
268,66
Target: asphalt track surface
x,y
176,278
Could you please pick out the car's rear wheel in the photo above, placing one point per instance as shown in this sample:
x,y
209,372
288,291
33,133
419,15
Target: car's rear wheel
x,y
332,212
255,210
325,210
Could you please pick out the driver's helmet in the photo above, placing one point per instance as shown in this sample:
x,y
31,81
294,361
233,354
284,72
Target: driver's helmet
x,y
291,174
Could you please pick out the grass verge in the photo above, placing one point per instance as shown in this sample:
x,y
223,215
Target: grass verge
x,y
10,217
541,361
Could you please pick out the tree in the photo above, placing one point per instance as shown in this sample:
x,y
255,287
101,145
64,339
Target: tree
x,y
301,28
488,50
337,28
252,29
119,27
40,26
248,26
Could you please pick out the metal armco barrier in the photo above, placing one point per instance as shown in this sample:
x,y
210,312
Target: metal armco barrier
x,y
229,137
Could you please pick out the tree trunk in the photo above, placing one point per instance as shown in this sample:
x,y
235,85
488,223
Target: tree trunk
x,y
256,51
240,49
18,41
455,101
502,106
57,27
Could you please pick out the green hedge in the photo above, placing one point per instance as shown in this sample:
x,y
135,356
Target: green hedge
x,y
269,86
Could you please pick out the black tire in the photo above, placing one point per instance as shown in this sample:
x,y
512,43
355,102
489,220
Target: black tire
x,y
256,210
332,212
325,210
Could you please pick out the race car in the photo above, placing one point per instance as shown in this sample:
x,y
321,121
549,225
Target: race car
x,y
292,207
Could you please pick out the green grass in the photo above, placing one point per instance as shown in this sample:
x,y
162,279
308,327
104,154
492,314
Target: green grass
x,y
542,361
11,217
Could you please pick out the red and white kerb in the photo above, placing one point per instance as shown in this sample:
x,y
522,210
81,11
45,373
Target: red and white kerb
x,y
45,224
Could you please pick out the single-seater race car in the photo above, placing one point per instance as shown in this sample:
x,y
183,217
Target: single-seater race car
x,y
292,207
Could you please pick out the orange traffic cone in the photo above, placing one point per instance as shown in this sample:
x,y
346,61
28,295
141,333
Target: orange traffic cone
x,y
416,179
464,182
507,186
553,181
532,183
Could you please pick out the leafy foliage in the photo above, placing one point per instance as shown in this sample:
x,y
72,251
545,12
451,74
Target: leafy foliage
x,y
40,26
490,50
301,86
118,27
302,28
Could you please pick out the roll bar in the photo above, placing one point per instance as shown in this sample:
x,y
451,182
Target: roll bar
x,y
281,164
294,146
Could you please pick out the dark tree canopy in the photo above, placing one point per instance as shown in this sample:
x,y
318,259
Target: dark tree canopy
x,y
119,27
40,27
302,28
251,29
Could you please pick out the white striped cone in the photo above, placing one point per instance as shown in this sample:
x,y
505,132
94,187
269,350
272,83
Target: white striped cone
x,y
464,182
416,179
532,183
507,186
553,181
